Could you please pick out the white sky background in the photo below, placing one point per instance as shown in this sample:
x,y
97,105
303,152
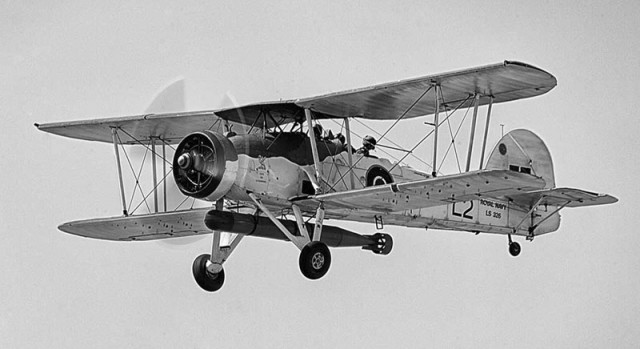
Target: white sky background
x,y
573,288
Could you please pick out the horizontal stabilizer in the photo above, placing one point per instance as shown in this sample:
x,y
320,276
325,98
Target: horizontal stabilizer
x,y
570,197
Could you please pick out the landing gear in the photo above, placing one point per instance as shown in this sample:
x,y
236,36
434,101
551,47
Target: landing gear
x,y
202,272
207,269
315,260
315,257
383,244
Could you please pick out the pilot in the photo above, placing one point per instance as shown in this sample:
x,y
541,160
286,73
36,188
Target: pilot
x,y
318,131
368,144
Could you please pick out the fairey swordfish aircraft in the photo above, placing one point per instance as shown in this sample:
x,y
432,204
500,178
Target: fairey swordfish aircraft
x,y
271,171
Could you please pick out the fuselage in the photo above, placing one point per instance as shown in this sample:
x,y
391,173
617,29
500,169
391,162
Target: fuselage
x,y
279,166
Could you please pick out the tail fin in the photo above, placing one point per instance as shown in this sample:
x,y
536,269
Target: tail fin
x,y
523,151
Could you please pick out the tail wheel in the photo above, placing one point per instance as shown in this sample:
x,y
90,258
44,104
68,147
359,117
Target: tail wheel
x,y
208,281
514,249
315,260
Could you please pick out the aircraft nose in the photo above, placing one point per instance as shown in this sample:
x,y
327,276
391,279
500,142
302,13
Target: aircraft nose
x,y
205,165
184,161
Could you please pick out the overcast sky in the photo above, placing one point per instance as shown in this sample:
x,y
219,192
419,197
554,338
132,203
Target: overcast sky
x,y
70,60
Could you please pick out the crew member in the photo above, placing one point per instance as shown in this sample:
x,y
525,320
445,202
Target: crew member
x,y
318,131
368,144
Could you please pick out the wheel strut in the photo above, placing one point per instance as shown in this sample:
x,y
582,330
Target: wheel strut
x,y
207,269
315,257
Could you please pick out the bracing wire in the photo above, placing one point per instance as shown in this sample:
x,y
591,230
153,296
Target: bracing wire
x,y
183,201
360,136
394,143
133,172
392,126
138,186
430,133
455,149
334,165
149,194
406,112
453,137
142,144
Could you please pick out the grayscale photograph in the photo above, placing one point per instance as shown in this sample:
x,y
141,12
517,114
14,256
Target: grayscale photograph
x,y
312,174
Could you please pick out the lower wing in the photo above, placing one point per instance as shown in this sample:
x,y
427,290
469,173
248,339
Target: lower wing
x,y
430,192
152,226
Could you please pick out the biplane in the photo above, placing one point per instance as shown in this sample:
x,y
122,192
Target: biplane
x,y
270,170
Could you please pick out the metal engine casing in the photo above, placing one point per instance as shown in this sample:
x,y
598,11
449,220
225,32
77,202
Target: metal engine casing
x,y
217,160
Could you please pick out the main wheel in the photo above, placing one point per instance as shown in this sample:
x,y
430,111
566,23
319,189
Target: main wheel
x,y
315,260
514,249
206,280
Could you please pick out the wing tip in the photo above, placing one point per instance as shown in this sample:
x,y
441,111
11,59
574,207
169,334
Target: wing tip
x,y
531,66
610,199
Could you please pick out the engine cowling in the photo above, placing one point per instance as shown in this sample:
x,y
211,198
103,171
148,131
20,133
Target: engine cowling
x,y
205,165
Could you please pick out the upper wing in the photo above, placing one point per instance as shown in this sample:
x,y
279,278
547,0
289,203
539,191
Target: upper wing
x,y
143,227
170,127
504,82
560,196
432,192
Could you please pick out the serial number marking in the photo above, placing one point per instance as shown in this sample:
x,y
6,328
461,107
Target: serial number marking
x,y
493,214
493,210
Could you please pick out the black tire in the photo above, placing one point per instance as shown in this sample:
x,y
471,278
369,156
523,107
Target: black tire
x,y
206,280
315,260
514,249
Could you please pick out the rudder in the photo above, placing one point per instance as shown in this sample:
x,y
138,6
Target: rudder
x,y
523,151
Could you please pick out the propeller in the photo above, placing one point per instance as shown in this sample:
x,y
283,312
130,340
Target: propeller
x,y
191,162
194,164
170,99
